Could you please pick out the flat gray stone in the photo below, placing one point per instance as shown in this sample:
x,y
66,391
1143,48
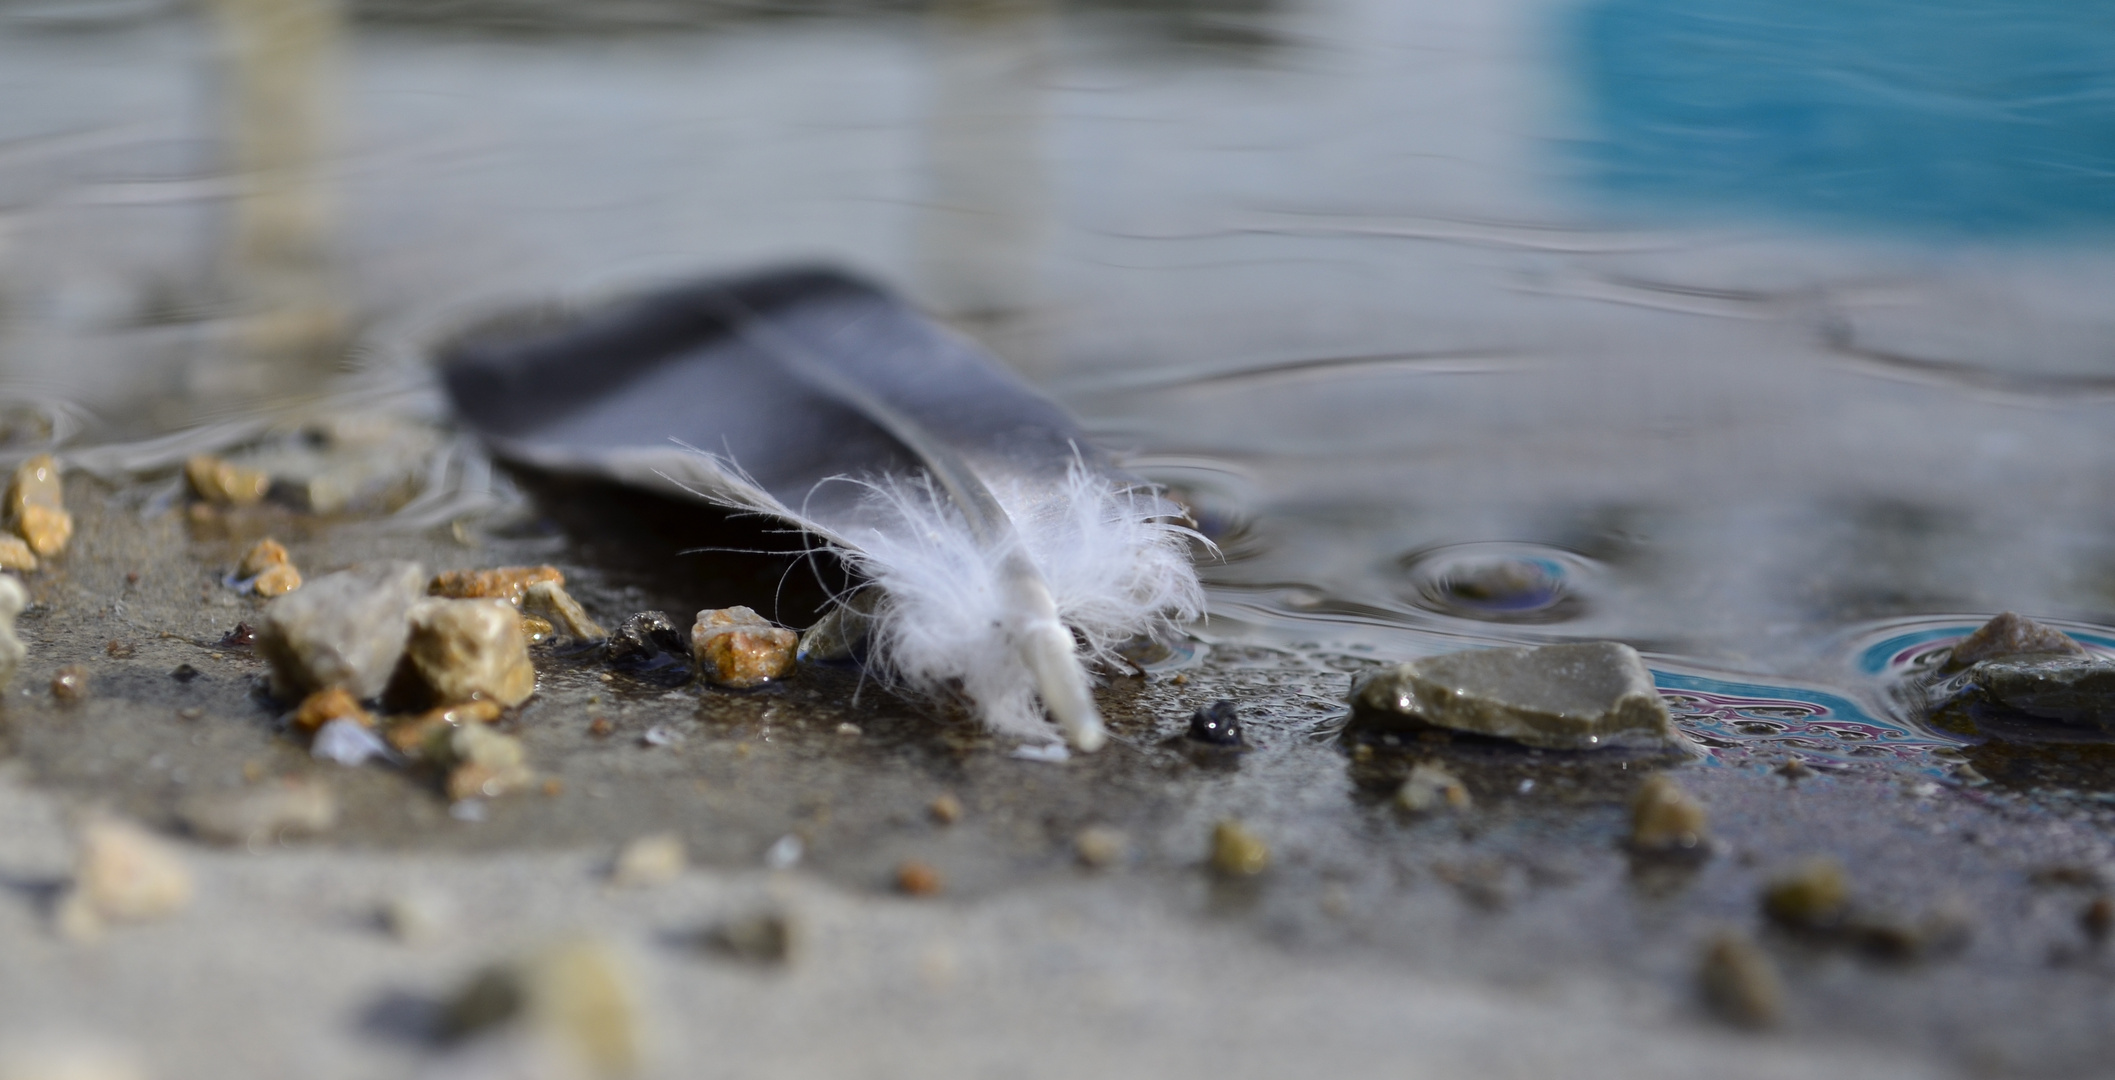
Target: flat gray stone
x,y
345,629
2067,689
1561,697
2010,634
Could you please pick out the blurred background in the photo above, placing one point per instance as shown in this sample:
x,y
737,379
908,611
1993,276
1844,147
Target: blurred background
x,y
1744,330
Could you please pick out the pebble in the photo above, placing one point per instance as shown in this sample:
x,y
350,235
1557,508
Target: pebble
x,y
261,814
766,937
644,639
347,742
13,598
915,878
2067,689
1216,724
1664,817
648,861
1563,697
582,995
1100,846
1811,896
70,684
122,873
2010,634
1237,852
15,555
269,569
945,808
843,630
36,506
1741,983
785,852
736,647
509,583
550,600
1430,788
415,734
221,483
345,629
328,704
470,650
486,763
1795,769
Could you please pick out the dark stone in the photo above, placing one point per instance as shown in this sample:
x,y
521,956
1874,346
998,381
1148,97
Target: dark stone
x,y
242,637
1216,724
185,673
2047,686
645,639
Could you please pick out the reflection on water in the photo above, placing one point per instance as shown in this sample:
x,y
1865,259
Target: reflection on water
x,y
1344,273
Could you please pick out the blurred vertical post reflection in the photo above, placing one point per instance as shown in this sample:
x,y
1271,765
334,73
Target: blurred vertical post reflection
x,y
982,235
278,65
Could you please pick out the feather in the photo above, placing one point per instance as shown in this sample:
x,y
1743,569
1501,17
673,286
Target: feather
x,y
1004,553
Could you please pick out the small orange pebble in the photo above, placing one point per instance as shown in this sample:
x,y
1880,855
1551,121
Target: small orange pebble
x,y
502,583
118,650
536,628
945,808
412,734
736,647
36,506
1180,679
70,683
328,704
553,787
222,484
262,556
277,581
600,727
253,770
916,878
15,555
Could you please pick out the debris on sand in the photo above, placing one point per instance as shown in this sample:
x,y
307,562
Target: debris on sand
x,y
70,684
1740,982
1237,852
36,506
345,629
268,569
2011,634
222,483
736,647
917,878
1811,896
1563,697
485,764
470,650
647,861
13,598
1216,724
328,704
261,814
122,873
15,555
1100,846
765,938
549,600
1666,819
509,583
580,998
1430,787
945,808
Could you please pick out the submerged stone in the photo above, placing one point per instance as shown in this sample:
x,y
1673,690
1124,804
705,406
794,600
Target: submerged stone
x,y
2067,689
344,629
2010,634
1561,697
